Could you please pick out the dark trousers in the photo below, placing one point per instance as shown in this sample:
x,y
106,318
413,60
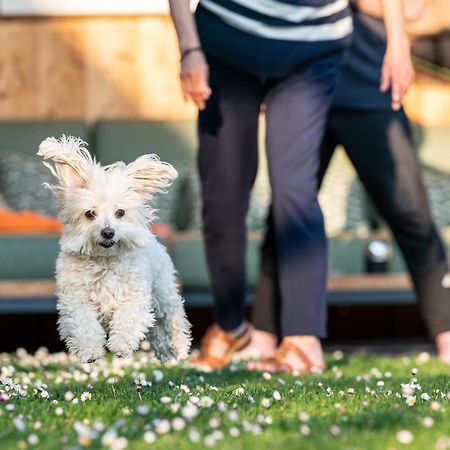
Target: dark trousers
x,y
380,148
296,108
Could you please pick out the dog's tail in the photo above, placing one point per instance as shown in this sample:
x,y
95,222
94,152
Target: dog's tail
x,y
170,336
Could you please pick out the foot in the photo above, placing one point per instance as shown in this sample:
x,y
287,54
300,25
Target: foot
x,y
443,346
90,354
119,347
262,345
218,347
296,355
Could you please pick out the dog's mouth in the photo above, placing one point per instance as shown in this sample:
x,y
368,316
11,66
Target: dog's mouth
x,y
107,244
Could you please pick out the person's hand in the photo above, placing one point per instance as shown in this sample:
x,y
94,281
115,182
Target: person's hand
x,y
397,71
194,78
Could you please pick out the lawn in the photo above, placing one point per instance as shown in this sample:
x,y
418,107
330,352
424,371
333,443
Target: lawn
x,y
48,401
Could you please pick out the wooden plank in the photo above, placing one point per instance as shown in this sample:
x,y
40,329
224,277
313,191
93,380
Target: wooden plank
x,y
26,288
336,283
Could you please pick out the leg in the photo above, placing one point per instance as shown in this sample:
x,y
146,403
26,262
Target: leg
x,y
170,335
129,323
80,328
381,150
296,116
228,163
266,305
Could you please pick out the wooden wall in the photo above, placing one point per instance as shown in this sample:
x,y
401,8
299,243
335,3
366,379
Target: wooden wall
x,y
99,68
91,68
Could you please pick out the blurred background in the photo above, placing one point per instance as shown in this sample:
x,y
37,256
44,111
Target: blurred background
x,y
107,71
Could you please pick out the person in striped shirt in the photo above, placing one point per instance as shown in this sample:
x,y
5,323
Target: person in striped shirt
x,y
239,57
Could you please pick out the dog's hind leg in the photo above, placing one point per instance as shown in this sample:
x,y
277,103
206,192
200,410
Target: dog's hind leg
x,y
170,336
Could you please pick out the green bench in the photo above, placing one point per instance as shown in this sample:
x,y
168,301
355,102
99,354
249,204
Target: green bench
x,y
28,257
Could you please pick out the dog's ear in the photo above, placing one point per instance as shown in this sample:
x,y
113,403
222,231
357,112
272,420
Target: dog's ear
x,y
72,163
149,175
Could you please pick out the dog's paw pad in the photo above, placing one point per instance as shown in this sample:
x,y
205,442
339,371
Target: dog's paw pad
x,y
90,355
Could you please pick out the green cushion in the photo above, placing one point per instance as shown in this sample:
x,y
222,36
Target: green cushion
x,y
124,140
25,136
188,254
21,179
28,256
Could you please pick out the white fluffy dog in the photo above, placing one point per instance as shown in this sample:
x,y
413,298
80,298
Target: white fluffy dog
x,y
115,282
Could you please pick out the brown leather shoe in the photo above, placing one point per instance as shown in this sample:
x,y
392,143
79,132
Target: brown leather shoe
x,y
217,347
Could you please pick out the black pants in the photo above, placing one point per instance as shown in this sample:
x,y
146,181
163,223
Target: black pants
x,y
296,110
379,146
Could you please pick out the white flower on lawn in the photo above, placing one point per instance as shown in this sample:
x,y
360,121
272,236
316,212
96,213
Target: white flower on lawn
x,y
189,412
335,430
414,371
159,376
234,432
194,399
162,426
206,402
68,396
221,406
142,410
209,441
174,407
33,439
194,435
166,400
435,406
427,422
265,402
85,396
149,437
425,396
178,423
276,395
239,391
19,424
214,422
44,394
305,430
59,411
233,416
411,400
351,391
120,443
126,411
37,425
267,376
405,437
380,383
303,416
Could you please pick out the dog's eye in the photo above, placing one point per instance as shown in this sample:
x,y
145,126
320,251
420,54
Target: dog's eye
x,y
90,214
120,213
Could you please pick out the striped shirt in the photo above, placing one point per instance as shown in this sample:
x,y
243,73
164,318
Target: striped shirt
x,y
272,37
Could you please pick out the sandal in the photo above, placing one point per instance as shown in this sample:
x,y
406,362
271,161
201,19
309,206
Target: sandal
x,y
279,363
217,348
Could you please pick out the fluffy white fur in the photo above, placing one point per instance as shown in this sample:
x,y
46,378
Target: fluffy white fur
x,y
113,292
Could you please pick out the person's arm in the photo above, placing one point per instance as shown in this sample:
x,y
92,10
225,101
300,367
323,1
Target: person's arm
x,y
194,70
412,9
397,71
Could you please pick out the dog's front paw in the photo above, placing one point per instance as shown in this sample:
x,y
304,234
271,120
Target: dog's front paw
x,y
120,347
90,354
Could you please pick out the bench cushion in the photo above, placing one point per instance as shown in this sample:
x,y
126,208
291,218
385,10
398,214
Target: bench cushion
x,y
125,140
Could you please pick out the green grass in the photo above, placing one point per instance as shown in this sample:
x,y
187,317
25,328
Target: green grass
x,y
369,418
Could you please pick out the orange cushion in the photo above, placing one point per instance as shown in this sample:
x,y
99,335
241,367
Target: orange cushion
x,y
24,222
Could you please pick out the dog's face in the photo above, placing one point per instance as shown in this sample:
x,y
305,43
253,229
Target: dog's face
x,y
104,210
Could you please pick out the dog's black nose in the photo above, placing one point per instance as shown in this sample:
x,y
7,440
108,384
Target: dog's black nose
x,y
107,233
